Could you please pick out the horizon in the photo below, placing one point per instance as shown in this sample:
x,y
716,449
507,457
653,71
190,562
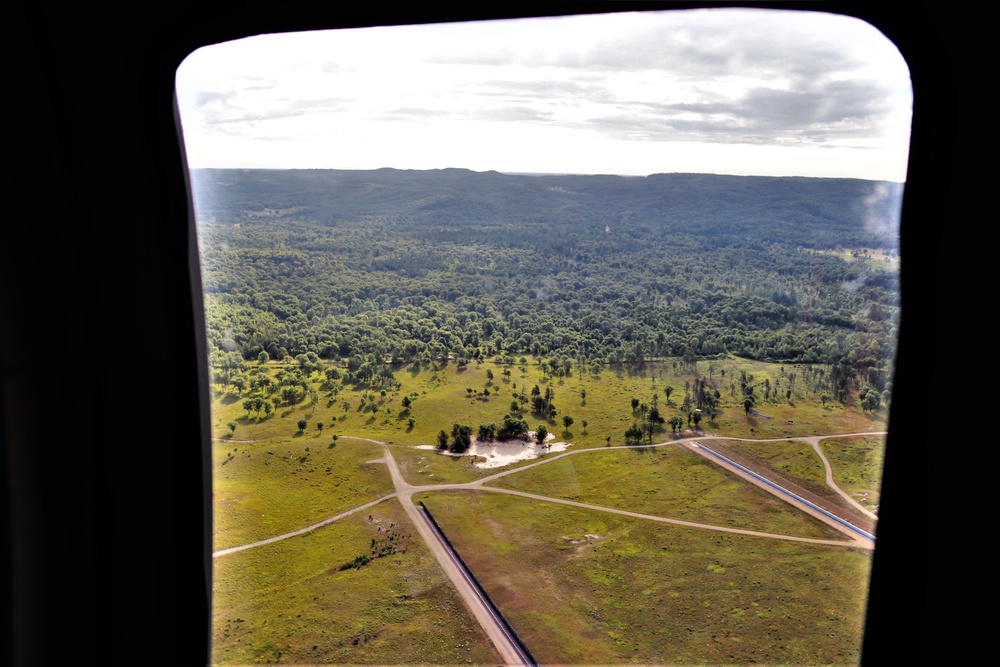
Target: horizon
x,y
726,91
534,174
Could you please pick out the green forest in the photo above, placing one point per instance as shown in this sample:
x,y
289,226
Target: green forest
x,y
374,271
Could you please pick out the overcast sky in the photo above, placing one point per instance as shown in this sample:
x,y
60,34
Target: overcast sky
x,y
709,91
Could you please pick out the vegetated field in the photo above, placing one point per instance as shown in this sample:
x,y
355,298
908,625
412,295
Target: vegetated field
x,y
268,488
666,482
291,602
857,466
341,307
422,466
440,397
587,587
271,478
792,459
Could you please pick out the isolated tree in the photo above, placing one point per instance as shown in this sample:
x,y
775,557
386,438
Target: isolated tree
x,y
461,438
633,435
712,409
583,396
320,426
870,400
748,403
232,427
567,421
541,434
584,422
654,416
302,425
263,357
406,402
512,428
635,404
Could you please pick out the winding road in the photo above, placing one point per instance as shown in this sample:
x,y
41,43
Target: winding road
x,y
505,644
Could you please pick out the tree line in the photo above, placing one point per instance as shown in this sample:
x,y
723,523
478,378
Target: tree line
x,y
589,289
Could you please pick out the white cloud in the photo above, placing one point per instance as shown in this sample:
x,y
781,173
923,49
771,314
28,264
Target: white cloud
x,y
764,92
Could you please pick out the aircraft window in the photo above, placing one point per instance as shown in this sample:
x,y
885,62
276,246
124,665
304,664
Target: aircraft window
x,y
667,239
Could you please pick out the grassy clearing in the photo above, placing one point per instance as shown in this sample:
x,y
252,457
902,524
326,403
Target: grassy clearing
x,y
585,587
265,489
424,466
441,398
291,602
667,482
857,466
795,460
641,592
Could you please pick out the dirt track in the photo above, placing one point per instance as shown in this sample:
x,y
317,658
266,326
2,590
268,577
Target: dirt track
x,y
503,643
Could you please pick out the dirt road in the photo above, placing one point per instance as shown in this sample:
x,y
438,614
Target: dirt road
x,y
498,635
494,629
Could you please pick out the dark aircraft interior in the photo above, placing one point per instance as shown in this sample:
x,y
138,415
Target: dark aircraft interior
x,y
103,410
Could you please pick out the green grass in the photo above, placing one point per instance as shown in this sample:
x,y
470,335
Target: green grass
x,y
668,482
424,466
290,602
643,591
269,488
857,466
794,460
440,399
640,591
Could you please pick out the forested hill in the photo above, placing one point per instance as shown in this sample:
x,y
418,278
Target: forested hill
x,y
415,265
808,212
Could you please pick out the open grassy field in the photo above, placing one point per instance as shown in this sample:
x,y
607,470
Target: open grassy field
x,y
857,466
441,398
792,459
424,466
290,601
269,488
585,587
667,482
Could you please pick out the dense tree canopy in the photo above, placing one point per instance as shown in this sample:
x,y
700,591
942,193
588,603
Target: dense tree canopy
x,y
386,268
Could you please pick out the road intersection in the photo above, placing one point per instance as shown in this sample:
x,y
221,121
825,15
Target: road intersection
x,y
442,552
